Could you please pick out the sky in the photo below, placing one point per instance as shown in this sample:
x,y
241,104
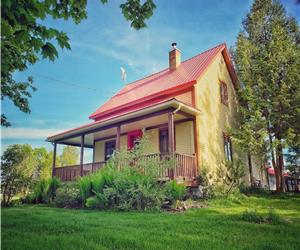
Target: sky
x,y
82,79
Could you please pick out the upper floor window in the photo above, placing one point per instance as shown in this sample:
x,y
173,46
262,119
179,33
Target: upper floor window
x,y
227,147
224,93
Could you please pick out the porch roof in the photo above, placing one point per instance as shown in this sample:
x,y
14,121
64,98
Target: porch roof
x,y
72,136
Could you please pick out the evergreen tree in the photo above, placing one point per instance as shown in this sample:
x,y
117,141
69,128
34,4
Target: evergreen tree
x,y
267,60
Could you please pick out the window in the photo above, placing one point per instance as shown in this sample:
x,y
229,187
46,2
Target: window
x,y
163,140
223,93
110,147
227,147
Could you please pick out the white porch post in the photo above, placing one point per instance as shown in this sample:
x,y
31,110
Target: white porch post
x,y
54,160
171,132
81,155
118,137
171,144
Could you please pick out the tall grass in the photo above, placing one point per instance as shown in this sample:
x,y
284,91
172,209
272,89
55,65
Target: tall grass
x,y
85,187
252,216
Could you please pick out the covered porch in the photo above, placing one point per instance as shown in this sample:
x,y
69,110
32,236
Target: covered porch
x,y
171,127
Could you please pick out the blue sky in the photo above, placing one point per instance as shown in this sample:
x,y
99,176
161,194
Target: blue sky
x,y
103,43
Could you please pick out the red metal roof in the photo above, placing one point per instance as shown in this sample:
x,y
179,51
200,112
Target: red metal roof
x,y
158,84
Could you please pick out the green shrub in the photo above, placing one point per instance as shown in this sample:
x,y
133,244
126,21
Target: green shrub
x,y
52,185
93,202
127,182
29,198
68,196
97,182
250,215
124,189
174,191
40,192
132,190
229,177
44,191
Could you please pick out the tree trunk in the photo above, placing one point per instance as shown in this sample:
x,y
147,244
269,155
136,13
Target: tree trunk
x,y
278,179
272,147
281,168
280,163
250,169
274,163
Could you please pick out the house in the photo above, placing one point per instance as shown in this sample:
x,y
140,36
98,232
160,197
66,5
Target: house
x,y
186,109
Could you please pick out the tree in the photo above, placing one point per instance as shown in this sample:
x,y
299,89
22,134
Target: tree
x,y
17,171
69,156
24,40
43,163
250,138
23,166
267,60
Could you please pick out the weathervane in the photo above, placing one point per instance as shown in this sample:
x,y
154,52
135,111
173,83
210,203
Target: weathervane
x,y
123,74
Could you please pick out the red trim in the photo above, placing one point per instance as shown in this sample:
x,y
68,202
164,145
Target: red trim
x,y
230,67
193,96
145,104
132,136
182,88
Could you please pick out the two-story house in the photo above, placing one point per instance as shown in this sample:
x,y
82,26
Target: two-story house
x,y
186,109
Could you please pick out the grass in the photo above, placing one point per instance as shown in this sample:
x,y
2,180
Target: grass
x,y
219,226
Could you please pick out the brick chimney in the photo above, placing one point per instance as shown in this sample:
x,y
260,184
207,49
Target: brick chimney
x,y
174,57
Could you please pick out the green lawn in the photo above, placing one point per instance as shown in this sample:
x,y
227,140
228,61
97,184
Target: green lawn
x,y
216,227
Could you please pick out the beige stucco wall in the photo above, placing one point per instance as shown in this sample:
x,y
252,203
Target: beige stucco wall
x,y
123,142
100,147
215,118
153,146
184,138
184,141
185,97
99,151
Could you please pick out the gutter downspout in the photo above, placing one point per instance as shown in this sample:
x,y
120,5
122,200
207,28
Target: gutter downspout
x,y
178,109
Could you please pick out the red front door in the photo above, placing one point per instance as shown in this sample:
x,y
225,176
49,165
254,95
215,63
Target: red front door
x,y
132,138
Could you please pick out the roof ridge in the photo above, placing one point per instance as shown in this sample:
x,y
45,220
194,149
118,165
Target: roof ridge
x,y
221,44
141,84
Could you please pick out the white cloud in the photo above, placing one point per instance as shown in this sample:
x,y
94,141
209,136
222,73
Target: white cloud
x,y
28,133
143,51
